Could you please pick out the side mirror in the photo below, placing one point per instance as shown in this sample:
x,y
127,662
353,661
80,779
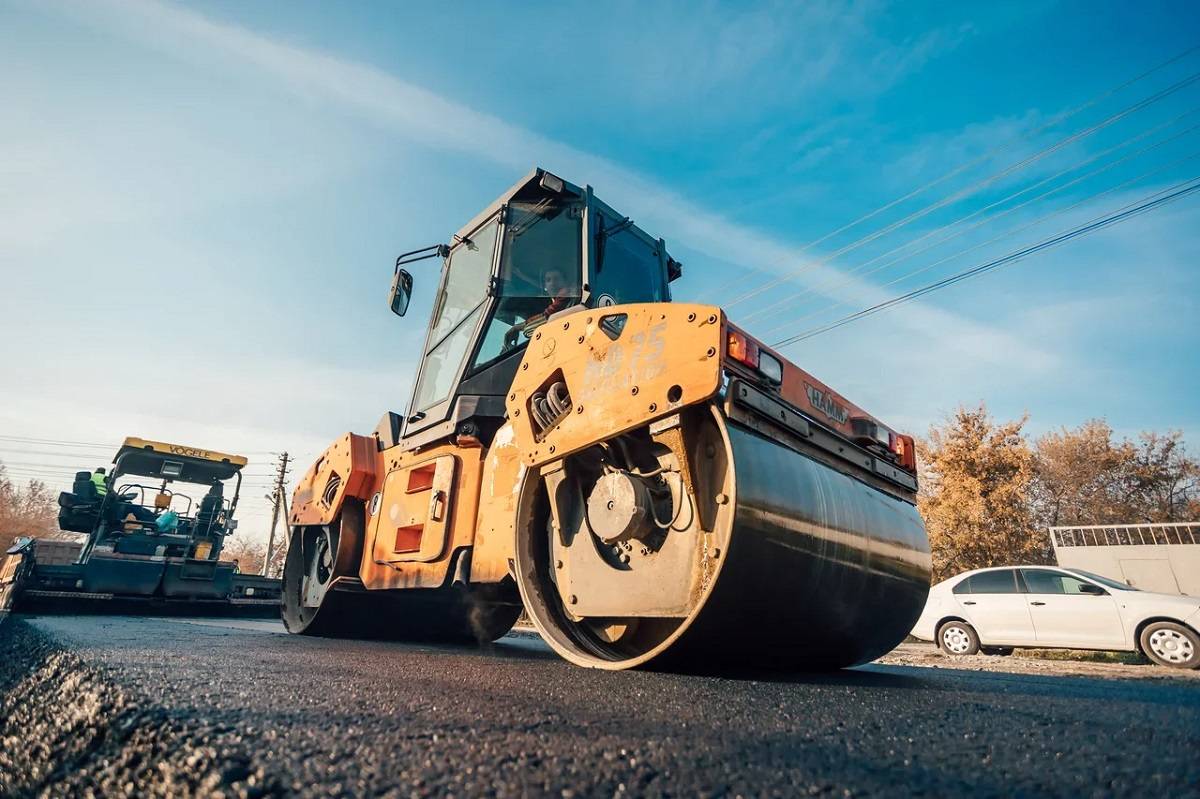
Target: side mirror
x,y
1093,590
401,292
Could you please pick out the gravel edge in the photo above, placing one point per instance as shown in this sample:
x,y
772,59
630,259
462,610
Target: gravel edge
x,y
68,728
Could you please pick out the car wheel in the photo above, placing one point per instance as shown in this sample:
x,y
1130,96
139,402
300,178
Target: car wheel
x,y
1002,651
1171,644
958,638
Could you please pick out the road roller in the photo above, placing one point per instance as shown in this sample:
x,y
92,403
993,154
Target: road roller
x,y
649,483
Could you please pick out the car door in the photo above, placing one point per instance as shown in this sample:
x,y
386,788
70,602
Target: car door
x,y
1071,612
995,607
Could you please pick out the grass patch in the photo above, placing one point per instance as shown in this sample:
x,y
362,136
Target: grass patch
x,y
1084,656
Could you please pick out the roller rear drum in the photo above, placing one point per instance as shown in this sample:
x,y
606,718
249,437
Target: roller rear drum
x,y
322,595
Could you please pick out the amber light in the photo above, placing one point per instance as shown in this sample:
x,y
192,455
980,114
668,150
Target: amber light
x,y
742,348
906,449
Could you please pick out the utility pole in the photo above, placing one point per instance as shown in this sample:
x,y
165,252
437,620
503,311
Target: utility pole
x,y
277,500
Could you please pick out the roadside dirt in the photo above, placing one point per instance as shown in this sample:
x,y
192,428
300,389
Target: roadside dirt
x,y
1029,662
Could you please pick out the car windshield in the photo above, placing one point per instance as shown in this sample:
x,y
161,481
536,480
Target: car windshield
x,y
1104,581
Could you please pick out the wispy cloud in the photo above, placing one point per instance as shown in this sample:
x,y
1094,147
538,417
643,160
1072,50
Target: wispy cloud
x,y
441,123
828,51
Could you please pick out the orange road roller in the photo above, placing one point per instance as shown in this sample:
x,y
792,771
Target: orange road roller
x,y
652,485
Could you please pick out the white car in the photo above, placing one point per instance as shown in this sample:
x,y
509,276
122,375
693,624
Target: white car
x,y
1047,606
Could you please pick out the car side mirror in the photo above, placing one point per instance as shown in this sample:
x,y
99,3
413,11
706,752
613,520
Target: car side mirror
x,y
1092,590
401,292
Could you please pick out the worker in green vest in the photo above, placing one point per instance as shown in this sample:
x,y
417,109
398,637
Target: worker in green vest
x,y
98,481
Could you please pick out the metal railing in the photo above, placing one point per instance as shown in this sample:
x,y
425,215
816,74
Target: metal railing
x,y
1116,535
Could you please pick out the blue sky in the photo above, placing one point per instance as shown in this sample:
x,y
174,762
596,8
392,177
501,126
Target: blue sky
x,y
200,203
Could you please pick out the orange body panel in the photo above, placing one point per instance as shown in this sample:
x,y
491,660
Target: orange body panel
x,y
495,531
347,469
666,356
420,506
814,397
425,512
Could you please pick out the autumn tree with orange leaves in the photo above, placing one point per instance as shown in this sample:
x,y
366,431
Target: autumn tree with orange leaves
x,y
975,497
31,510
988,496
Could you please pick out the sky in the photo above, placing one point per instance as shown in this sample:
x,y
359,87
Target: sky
x,y
200,203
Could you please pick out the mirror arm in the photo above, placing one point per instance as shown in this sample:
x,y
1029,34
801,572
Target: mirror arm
x,y
432,251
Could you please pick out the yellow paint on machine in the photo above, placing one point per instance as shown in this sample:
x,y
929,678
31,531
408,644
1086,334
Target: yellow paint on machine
x,y
424,505
182,451
623,367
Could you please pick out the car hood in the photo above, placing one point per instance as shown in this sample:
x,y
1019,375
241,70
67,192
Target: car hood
x,y
1140,598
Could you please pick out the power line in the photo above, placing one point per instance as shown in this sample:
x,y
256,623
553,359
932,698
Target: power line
x,y
57,442
278,501
846,276
110,447
41,453
1062,117
1040,220
1176,192
968,191
1003,235
1010,232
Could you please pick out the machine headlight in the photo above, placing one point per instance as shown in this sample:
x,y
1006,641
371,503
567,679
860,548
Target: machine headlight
x,y
770,367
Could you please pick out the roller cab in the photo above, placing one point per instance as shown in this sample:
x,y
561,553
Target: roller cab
x,y
651,484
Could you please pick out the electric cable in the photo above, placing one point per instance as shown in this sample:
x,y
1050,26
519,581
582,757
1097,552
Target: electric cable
x,y
843,278
1176,192
1009,232
967,191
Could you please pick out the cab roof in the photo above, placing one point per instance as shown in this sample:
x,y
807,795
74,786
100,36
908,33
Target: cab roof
x,y
176,461
533,178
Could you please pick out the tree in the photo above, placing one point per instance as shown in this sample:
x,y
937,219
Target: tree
x,y
1082,476
30,511
1164,481
249,555
246,553
975,494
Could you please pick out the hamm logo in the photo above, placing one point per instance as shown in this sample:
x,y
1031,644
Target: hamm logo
x,y
825,404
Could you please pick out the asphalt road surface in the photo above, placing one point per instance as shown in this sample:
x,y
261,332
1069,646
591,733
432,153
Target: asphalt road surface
x,y
123,706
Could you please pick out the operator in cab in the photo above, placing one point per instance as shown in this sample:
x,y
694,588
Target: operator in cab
x,y
98,481
560,295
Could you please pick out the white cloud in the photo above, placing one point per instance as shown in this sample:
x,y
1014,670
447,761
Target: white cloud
x,y
440,123
444,124
236,403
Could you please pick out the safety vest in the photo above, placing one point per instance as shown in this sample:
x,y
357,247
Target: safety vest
x,y
98,482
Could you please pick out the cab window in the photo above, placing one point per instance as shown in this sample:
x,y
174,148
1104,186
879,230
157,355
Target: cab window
x,y
540,270
466,283
456,310
627,268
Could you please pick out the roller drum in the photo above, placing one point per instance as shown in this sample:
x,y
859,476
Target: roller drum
x,y
794,564
822,570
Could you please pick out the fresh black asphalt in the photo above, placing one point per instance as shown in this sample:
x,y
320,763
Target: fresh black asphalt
x,y
143,706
